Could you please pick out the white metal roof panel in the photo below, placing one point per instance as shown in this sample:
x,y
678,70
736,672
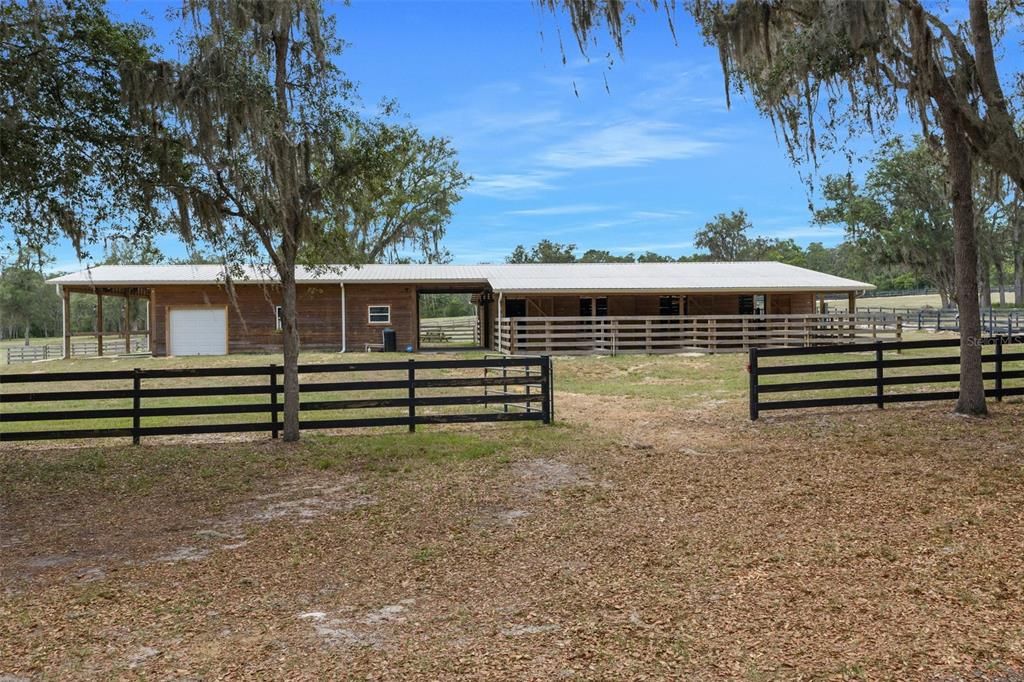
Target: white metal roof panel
x,y
509,278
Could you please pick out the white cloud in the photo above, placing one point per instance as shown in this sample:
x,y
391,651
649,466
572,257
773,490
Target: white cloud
x,y
512,185
629,143
568,209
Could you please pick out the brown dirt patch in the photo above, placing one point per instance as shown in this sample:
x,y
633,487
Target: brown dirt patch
x,y
655,543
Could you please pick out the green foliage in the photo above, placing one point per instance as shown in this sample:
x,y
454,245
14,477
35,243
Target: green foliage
x,y
725,237
28,306
545,251
72,162
446,305
901,216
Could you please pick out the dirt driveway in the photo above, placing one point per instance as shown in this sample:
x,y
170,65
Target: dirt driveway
x,y
635,540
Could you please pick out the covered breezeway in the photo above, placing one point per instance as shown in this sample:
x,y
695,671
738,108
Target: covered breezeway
x,y
109,321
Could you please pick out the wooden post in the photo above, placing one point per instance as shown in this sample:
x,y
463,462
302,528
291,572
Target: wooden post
x,y
127,324
412,396
545,387
879,379
136,400
99,324
851,302
273,401
66,319
752,369
999,369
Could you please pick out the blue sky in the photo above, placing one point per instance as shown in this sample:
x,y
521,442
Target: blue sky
x,y
638,165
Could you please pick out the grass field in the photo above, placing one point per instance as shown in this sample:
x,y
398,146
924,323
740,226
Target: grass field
x,y
653,532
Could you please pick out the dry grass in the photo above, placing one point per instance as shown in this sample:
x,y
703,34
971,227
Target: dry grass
x,y
654,533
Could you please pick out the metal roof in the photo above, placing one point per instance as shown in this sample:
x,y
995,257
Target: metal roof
x,y
759,276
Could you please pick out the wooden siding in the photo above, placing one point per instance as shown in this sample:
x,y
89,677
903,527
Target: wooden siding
x,y
404,316
252,324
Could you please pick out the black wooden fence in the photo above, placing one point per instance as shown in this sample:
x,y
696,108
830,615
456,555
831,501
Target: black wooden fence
x,y
414,387
1002,358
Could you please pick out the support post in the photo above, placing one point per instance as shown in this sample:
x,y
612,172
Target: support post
x,y
136,404
999,369
851,302
879,377
99,324
545,387
66,323
412,396
273,401
752,369
127,324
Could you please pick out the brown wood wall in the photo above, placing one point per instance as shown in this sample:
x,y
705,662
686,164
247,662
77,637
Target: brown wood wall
x,y
402,299
251,320
252,317
251,325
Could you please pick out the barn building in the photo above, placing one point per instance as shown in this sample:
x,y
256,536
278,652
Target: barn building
x,y
534,308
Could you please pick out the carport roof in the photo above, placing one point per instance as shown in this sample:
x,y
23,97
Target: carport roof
x,y
754,276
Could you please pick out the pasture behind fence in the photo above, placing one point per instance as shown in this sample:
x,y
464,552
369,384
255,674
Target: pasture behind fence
x,y
143,402
834,382
994,321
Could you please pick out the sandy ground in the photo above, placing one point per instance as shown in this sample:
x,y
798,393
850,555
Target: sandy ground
x,y
645,541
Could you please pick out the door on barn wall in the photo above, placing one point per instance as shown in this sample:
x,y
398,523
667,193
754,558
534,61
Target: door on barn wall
x,y
197,331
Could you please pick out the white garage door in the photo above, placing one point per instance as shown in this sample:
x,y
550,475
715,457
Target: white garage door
x,y
198,331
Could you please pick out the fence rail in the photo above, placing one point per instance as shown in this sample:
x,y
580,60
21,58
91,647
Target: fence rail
x,y
880,374
16,354
674,334
409,387
458,331
1005,321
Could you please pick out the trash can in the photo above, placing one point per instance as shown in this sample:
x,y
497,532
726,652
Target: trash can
x,y
390,340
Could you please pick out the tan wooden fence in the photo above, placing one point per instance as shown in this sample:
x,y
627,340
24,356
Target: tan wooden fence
x,y
460,331
673,334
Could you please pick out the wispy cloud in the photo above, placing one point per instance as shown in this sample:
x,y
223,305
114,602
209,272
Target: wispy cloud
x,y
567,209
627,143
512,185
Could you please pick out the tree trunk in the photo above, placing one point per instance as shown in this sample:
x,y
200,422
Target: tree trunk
x,y
28,332
965,253
291,357
985,285
1001,281
1018,264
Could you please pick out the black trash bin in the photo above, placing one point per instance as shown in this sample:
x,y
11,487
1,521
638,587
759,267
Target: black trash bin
x,y
390,340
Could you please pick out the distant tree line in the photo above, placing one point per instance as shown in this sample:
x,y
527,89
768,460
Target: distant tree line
x,y
727,238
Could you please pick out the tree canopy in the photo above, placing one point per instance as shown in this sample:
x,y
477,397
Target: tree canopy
x,y
73,163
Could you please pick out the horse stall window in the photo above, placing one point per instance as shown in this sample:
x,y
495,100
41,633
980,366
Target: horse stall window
x,y
593,307
515,307
668,305
746,304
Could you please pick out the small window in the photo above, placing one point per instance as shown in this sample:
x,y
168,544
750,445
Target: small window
x,y
746,303
515,307
668,305
279,318
379,314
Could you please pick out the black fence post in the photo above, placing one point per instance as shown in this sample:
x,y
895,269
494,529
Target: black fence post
x,y
545,387
999,369
273,401
879,376
412,396
136,404
752,368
